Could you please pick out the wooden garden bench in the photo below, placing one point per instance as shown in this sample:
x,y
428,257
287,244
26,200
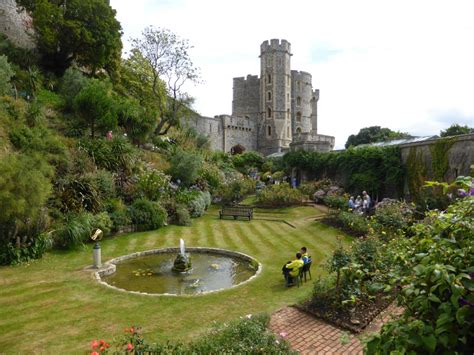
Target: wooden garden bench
x,y
236,211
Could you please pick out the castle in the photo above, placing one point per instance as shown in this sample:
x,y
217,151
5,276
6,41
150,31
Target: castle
x,y
271,114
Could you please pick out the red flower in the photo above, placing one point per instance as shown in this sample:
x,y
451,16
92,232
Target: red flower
x,y
102,342
102,348
94,344
94,353
131,330
107,345
129,346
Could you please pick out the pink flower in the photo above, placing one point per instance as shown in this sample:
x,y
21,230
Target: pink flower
x,y
94,353
283,334
94,344
129,346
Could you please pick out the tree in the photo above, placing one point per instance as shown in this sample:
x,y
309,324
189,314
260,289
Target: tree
x,y
374,134
85,31
136,120
455,130
6,73
95,107
167,58
24,189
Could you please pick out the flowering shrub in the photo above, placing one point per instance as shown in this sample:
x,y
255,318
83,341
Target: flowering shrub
x,y
247,335
352,223
281,195
436,268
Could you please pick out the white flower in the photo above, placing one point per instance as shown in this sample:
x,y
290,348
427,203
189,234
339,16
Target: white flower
x,y
249,316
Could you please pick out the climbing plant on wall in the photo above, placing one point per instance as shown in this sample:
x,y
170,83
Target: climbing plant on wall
x,y
439,157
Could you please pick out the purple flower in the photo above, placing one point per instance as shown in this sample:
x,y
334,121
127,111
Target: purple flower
x,y
464,302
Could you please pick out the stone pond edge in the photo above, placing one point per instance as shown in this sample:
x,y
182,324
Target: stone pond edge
x,y
109,268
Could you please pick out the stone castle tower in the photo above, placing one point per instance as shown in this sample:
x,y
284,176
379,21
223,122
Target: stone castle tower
x,y
273,113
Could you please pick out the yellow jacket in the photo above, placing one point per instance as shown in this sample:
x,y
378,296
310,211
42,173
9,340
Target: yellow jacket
x,y
294,266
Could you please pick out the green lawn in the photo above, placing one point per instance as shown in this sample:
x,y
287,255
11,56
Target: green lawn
x,y
53,304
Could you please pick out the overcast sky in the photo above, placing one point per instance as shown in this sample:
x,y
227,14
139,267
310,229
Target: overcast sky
x,y
405,65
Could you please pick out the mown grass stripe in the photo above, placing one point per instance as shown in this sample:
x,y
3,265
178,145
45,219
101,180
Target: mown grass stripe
x,y
242,232
279,235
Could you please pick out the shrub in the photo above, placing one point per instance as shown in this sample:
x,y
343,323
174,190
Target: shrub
x,y
6,73
198,205
248,335
248,160
30,248
77,193
118,213
182,216
72,82
147,215
212,176
436,274
335,201
392,216
281,195
75,230
152,184
185,166
352,223
103,222
236,189
24,189
310,187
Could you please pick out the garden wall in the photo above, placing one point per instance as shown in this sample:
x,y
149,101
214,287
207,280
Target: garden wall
x,y
441,159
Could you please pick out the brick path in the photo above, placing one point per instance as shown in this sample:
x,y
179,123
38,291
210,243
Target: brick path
x,y
310,335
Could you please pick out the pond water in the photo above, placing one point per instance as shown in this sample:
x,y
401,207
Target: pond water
x,y
153,274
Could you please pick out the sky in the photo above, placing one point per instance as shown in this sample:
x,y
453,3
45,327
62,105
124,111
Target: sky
x,y
405,65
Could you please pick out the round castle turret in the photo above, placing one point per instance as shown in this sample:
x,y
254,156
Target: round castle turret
x,y
275,133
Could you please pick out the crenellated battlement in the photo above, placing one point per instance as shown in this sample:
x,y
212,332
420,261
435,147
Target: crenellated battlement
x,y
249,79
275,44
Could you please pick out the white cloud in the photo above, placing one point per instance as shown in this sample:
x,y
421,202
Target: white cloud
x,y
393,64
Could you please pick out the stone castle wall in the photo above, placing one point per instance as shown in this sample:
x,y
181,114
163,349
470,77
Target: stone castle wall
x,y
246,97
460,157
16,26
225,132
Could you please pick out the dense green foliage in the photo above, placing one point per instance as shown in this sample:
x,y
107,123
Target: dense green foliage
x,y
82,31
146,215
95,108
185,166
281,195
247,335
435,268
379,171
6,73
372,135
456,130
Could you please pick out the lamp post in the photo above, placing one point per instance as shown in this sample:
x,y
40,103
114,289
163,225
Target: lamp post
x,y
96,251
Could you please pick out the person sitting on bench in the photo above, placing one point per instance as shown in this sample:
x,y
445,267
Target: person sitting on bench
x,y
304,255
291,269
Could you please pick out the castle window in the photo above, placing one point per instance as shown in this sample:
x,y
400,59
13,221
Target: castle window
x,y
287,97
288,113
269,96
298,117
288,80
269,79
269,131
298,101
298,130
269,113
210,128
288,132
298,85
